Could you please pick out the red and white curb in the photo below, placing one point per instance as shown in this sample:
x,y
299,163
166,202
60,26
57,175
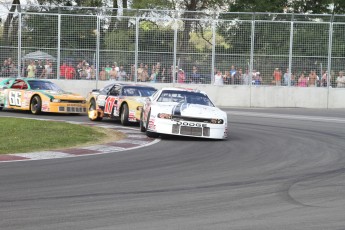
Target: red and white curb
x,y
134,139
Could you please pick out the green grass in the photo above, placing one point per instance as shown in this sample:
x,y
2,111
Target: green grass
x,y
27,135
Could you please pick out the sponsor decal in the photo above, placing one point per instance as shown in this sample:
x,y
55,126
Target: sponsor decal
x,y
151,125
191,124
45,107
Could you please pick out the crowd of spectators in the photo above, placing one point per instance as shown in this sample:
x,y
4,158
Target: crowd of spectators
x,y
157,73
235,76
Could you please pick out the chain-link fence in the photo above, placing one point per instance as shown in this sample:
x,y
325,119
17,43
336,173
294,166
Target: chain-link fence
x,y
170,46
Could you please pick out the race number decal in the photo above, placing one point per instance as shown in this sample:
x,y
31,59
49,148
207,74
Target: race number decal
x,y
109,104
15,98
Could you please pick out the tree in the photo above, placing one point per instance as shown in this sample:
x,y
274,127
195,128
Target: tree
x,y
10,22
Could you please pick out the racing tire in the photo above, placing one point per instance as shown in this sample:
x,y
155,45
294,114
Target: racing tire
x,y
36,105
124,115
148,133
142,127
92,113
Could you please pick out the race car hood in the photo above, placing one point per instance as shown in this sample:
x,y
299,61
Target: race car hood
x,y
61,95
190,110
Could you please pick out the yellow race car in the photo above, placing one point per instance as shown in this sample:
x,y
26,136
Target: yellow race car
x,y
38,96
118,101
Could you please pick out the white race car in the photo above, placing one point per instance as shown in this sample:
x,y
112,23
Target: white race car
x,y
183,112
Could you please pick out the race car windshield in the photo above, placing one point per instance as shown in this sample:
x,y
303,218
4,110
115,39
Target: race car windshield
x,y
184,96
44,85
138,91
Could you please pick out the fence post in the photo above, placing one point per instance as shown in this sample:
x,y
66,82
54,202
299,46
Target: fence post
x,y
59,48
98,40
290,49
329,58
20,46
251,63
175,49
136,54
213,49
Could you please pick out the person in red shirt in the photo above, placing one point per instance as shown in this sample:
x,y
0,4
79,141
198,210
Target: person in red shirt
x,y
70,71
63,70
277,76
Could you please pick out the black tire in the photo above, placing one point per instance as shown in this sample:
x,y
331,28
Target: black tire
x,y
93,107
124,115
148,133
36,105
142,127
1,108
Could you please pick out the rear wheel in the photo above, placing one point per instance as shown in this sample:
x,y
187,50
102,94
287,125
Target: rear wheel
x,y
92,112
148,133
36,105
124,115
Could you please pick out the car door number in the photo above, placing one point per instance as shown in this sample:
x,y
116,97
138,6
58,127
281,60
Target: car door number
x,y
109,104
15,98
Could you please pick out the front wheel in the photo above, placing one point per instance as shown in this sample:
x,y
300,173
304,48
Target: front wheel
x,y
148,133
36,105
92,112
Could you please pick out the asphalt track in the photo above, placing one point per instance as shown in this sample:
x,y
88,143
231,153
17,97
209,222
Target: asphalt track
x,y
280,169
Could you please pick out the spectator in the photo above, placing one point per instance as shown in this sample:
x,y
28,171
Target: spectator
x,y
63,70
312,81
227,78
145,73
302,81
246,78
286,77
238,77
70,72
31,69
181,76
341,80
39,69
257,78
103,74
93,72
117,68
5,68
195,76
48,70
324,79
113,73
122,75
160,74
277,76
293,79
140,72
218,78
108,69
232,71
153,77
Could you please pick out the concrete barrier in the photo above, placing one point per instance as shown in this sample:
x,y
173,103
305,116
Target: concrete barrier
x,y
241,95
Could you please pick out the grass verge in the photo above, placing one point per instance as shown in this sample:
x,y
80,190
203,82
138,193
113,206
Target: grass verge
x,y
19,135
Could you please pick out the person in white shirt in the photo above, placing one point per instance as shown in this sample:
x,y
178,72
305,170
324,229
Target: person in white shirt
x,y
218,78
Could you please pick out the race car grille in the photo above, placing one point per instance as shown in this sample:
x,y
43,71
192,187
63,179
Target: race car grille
x,y
73,101
71,109
191,131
